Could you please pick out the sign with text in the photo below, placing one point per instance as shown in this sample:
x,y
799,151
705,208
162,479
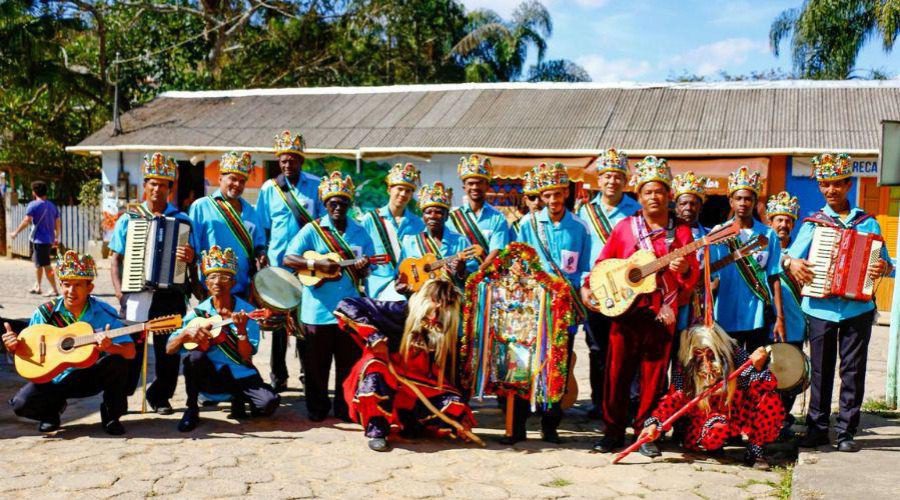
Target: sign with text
x,y
863,166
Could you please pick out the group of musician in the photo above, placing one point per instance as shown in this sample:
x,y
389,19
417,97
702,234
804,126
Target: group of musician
x,y
395,350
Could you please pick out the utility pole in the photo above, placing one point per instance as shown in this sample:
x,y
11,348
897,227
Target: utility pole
x,y
892,391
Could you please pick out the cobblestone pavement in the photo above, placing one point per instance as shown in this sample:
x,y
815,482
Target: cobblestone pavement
x,y
290,457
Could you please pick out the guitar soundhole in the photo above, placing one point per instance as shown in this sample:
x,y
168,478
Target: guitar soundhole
x,y
634,275
67,344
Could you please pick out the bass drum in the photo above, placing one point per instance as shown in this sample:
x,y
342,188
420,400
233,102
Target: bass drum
x,y
278,290
791,368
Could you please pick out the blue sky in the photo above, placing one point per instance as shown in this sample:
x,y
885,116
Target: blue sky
x,y
651,40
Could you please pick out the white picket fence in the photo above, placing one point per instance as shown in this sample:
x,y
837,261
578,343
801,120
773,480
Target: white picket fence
x,y
78,226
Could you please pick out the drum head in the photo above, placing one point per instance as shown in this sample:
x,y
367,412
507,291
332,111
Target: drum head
x,y
277,288
789,365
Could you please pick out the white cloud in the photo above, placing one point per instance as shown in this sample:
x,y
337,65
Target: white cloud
x,y
592,4
709,59
505,7
605,70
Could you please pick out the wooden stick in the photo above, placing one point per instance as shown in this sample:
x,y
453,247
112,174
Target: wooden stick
x,y
144,373
509,413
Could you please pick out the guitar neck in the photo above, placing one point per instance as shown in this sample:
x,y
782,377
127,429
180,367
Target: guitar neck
x,y
438,263
665,260
83,340
724,261
349,262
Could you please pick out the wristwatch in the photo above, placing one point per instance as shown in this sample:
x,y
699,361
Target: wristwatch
x,y
786,262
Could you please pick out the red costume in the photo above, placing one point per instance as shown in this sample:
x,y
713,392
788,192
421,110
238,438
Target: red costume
x,y
638,342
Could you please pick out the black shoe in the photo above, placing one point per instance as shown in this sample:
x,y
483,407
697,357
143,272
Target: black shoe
x,y
609,444
511,440
847,444
238,410
786,435
114,428
189,420
814,440
163,408
550,436
379,444
48,425
649,450
318,416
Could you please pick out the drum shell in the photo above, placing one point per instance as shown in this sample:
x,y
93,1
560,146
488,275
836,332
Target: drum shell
x,y
277,320
791,368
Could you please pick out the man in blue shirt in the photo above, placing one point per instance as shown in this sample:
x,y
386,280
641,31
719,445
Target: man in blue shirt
x,y
338,234
45,216
601,215
222,363
285,205
225,219
531,202
389,225
45,402
836,325
478,221
159,177
750,285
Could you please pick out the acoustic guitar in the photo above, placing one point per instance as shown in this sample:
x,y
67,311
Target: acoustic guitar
x,y
415,271
616,283
316,278
45,351
217,324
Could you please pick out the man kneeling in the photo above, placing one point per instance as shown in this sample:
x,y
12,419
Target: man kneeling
x,y
745,405
221,363
410,353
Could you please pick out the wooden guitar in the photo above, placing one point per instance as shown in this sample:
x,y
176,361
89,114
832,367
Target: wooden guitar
x,y
754,244
45,351
415,271
217,324
616,283
316,278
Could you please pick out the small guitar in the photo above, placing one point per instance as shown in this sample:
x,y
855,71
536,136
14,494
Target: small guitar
x,y
415,271
45,351
616,283
316,278
217,324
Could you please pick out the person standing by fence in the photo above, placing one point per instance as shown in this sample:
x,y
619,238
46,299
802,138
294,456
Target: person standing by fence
x,y
44,215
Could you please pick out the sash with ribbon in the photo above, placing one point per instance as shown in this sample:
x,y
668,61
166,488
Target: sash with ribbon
x,y
301,215
645,238
53,317
599,221
823,219
468,228
336,244
751,272
388,236
140,211
229,344
579,308
236,225
428,245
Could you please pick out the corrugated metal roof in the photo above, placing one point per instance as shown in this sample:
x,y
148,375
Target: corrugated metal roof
x,y
737,116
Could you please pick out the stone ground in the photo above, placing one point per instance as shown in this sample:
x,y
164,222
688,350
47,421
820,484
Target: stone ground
x,y
290,457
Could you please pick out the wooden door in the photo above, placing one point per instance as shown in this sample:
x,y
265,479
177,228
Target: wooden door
x,y
885,203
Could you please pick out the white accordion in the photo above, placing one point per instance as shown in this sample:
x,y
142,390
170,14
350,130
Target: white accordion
x,y
149,260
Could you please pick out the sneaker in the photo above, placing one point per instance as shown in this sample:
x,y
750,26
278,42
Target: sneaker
x,y
114,428
847,444
379,444
649,450
48,425
164,408
609,444
189,420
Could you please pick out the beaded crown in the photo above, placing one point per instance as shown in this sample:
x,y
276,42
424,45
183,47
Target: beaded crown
x,y
744,178
404,175
286,143
435,195
72,266
529,183
218,260
236,163
832,166
549,177
612,161
783,204
157,166
334,185
690,183
651,169
474,166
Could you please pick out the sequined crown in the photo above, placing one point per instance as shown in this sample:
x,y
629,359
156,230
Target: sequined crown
x,y
334,185
404,175
690,183
218,260
529,183
744,178
551,177
158,166
72,266
612,161
832,166
474,166
651,169
234,163
783,204
435,195
286,143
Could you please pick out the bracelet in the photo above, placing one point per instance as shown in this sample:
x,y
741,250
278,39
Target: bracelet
x,y
310,265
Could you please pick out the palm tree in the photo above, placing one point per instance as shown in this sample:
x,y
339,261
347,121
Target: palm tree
x,y
558,70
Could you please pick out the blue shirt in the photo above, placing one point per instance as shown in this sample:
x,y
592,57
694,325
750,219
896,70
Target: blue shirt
x,y
383,276
493,226
43,215
834,308
737,308
568,242
794,319
211,229
451,244
627,206
276,217
120,231
320,302
215,353
96,313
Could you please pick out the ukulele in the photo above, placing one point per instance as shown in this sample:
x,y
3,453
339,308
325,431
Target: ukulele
x,y
45,351
315,278
217,324
616,283
415,271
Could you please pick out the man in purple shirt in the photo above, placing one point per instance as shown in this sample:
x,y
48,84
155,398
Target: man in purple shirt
x,y
45,216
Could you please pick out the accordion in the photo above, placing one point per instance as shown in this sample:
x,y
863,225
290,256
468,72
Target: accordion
x,y
149,260
841,259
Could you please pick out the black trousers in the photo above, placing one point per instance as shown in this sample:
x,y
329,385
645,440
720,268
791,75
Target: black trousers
x,y
324,342
550,417
165,302
44,402
751,339
597,339
278,356
827,339
201,375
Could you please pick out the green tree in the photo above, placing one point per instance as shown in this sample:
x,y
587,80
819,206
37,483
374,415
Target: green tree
x,y
557,70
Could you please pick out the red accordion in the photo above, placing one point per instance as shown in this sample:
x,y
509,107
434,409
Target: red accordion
x,y
841,260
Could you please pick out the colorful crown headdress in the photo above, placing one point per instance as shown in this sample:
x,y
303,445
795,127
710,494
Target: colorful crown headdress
x,y
435,195
744,178
551,177
72,266
285,143
612,161
690,183
334,185
235,163
218,260
651,169
529,183
474,166
832,166
783,204
158,166
404,175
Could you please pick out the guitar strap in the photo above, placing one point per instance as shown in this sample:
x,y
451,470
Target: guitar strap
x,y
578,306
336,244
53,317
229,344
599,221
388,236
236,225
301,215
428,245
469,228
